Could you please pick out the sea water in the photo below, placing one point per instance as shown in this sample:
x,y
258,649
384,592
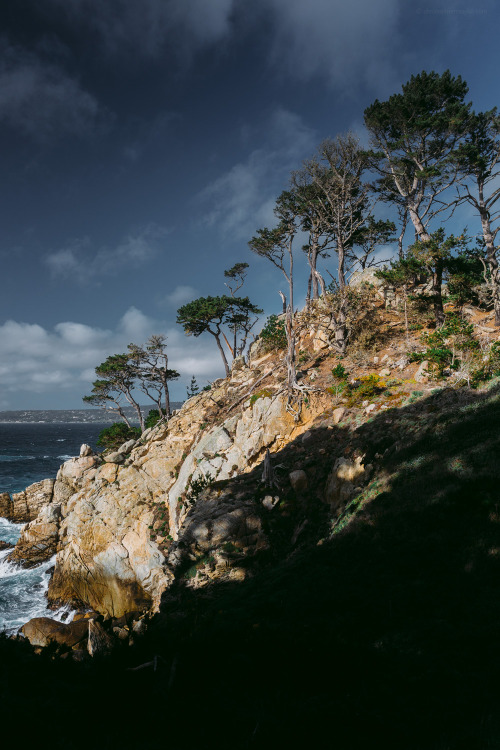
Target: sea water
x,y
30,452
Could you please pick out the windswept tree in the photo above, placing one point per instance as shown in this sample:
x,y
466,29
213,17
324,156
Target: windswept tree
x,y
338,171
210,314
152,373
314,214
236,277
115,381
277,246
478,162
416,135
241,318
242,322
431,259
206,315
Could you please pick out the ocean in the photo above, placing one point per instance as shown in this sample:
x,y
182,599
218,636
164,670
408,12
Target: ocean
x,y
30,452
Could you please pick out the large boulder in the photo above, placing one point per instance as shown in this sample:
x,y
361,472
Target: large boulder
x,y
38,540
40,631
342,481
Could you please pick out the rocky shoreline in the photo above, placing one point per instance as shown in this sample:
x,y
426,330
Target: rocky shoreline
x,y
186,503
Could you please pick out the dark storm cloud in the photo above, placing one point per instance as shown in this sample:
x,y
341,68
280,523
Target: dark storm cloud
x,y
41,100
150,26
345,42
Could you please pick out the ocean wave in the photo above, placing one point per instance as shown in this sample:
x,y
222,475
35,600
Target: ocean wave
x,y
17,458
65,457
23,594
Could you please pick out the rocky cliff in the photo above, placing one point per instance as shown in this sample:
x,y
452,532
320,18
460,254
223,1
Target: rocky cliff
x,y
187,501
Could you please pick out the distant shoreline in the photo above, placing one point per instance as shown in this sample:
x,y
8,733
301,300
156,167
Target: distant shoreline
x,y
70,416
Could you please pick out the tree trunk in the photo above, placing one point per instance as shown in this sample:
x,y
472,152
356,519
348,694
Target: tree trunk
x,y
167,401
492,260
122,415
437,281
420,231
226,366
290,354
139,414
313,261
340,328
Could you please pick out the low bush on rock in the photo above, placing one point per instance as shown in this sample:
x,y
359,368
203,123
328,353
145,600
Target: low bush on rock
x,y
273,334
116,434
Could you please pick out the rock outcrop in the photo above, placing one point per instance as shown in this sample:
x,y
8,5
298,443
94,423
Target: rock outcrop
x,y
25,506
175,503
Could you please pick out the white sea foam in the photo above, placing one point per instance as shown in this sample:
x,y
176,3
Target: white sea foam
x,y
65,457
23,590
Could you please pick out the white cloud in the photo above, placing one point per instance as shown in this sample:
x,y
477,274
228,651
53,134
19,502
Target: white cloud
x,y
148,27
181,294
40,367
41,100
81,263
242,200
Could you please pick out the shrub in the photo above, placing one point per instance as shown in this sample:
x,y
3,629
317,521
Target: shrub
x,y
196,486
116,434
264,393
339,372
447,346
369,387
490,368
152,419
273,334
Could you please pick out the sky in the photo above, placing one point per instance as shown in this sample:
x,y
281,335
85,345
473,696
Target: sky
x,y
145,141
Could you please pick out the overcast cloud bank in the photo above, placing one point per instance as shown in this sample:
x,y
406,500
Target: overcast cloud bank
x,y
36,360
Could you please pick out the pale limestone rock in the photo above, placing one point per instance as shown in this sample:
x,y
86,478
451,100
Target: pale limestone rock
x,y
115,458
421,375
40,631
127,447
370,408
270,502
320,341
385,372
38,539
339,414
298,480
257,349
238,364
108,472
6,506
341,481
25,506
85,450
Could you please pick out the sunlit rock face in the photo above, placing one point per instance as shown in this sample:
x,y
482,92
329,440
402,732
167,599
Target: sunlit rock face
x,y
123,530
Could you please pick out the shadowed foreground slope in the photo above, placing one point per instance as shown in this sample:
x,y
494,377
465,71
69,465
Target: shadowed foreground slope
x,y
386,635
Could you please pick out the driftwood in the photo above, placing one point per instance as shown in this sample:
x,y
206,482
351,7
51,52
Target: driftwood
x,y
247,394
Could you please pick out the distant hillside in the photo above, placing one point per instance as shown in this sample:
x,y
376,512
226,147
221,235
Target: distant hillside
x,y
72,415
